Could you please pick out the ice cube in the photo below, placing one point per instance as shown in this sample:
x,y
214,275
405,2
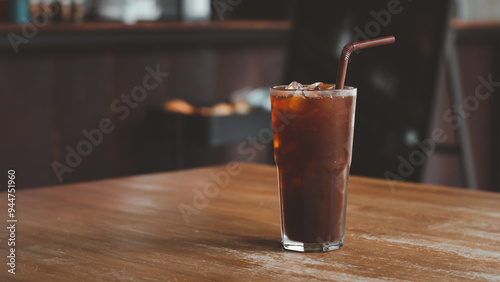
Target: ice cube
x,y
295,85
299,93
309,93
314,86
296,102
312,94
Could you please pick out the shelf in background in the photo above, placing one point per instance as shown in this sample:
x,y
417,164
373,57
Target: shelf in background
x,y
476,29
456,24
155,26
464,24
89,34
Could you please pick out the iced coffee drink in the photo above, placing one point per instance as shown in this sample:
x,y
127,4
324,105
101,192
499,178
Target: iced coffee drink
x,y
313,155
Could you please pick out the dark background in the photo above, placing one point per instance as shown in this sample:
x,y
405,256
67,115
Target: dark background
x,y
396,84
66,77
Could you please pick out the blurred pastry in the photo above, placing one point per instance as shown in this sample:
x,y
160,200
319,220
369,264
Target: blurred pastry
x,y
222,109
241,107
179,106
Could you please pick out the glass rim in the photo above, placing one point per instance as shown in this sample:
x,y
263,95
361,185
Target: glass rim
x,y
283,88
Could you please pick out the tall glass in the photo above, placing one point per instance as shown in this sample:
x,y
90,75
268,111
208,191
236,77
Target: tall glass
x,y
313,132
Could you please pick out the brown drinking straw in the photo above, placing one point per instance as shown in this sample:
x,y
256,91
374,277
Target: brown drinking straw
x,y
349,48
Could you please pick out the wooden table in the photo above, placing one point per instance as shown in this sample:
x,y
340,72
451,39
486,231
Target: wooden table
x,y
132,229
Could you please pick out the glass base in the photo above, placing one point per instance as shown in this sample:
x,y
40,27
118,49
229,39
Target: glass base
x,y
311,247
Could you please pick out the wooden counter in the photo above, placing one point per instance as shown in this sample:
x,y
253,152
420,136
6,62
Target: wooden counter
x,y
149,26
99,34
131,229
477,30
468,24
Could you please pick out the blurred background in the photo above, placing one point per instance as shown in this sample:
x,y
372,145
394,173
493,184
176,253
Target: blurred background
x,y
99,89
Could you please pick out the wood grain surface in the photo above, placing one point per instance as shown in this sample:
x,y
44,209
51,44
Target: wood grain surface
x,y
131,229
